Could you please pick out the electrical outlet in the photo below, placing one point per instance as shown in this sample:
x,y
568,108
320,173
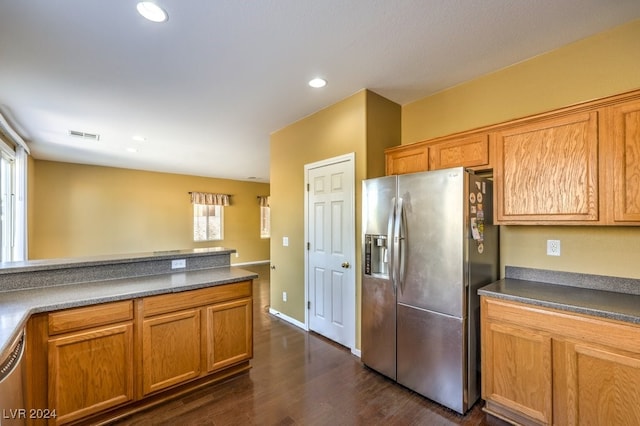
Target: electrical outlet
x,y
284,296
178,263
553,247
237,254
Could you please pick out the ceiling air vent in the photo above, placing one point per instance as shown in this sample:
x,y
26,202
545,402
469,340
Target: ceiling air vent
x,y
84,135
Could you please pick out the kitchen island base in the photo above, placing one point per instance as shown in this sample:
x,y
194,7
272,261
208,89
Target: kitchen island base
x,y
106,361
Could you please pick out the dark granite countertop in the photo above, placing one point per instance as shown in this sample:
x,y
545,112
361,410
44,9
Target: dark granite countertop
x,y
592,299
31,287
16,306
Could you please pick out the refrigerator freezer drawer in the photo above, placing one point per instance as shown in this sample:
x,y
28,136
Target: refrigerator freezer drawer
x,y
431,356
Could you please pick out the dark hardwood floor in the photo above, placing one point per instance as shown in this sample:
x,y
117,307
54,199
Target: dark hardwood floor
x,y
300,378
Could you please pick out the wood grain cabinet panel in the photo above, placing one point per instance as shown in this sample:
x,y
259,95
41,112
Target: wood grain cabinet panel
x,y
547,171
229,331
90,371
517,371
626,164
470,152
407,159
170,349
603,385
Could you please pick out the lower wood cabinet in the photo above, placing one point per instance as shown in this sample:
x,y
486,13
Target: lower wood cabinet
x,y
90,371
543,366
229,338
170,349
99,361
518,370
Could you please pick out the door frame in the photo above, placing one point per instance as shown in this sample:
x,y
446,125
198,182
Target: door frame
x,y
350,159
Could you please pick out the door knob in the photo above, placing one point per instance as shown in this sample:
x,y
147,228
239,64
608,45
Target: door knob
x,y
345,264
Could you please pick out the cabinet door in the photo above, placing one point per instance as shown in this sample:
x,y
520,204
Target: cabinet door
x,y
229,333
90,371
603,385
547,171
407,159
170,349
516,372
626,166
471,152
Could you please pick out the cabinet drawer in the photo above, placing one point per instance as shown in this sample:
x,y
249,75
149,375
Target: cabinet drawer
x,y
163,303
90,316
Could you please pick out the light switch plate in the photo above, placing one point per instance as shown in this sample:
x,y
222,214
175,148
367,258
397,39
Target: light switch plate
x,y
285,241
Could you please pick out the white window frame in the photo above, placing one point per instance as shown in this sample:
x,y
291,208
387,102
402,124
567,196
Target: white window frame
x,y
7,205
219,214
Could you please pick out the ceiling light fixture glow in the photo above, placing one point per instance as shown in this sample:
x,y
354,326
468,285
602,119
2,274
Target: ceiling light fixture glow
x,y
152,11
139,138
318,83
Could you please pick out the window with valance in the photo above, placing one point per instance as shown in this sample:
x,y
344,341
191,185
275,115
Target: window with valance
x,y
208,215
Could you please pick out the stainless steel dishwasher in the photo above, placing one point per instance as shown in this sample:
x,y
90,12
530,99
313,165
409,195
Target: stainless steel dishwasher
x,y
12,410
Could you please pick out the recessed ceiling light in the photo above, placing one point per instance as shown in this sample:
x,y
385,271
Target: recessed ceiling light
x,y
318,83
139,138
131,149
152,11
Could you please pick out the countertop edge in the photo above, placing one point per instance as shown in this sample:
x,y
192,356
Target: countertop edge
x,y
548,292
66,263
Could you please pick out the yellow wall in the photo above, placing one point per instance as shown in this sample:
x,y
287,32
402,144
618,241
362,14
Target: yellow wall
x,y
80,210
365,124
605,64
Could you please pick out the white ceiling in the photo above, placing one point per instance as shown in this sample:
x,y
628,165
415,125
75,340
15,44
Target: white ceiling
x,y
209,86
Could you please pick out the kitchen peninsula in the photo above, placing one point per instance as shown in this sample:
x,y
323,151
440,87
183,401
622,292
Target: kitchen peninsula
x,y
107,336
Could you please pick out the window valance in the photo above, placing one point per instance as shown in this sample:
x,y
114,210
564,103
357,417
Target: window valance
x,y
210,199
263,200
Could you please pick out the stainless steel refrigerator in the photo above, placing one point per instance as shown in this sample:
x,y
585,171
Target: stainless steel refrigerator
x,y
429,243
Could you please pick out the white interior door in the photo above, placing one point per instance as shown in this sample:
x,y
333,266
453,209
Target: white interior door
x,y
330,266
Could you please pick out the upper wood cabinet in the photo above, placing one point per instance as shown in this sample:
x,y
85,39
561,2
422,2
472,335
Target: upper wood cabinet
x,y
626,161
471,152
578,165
547,170
406,159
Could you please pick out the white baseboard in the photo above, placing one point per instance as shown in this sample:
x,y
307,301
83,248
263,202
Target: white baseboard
x,y
288,319
301,325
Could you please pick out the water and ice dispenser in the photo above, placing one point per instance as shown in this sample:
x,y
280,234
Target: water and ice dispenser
x,y
376,257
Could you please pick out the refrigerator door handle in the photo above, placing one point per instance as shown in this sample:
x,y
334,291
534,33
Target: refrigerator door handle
x,y
398,244
402,241
391,246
